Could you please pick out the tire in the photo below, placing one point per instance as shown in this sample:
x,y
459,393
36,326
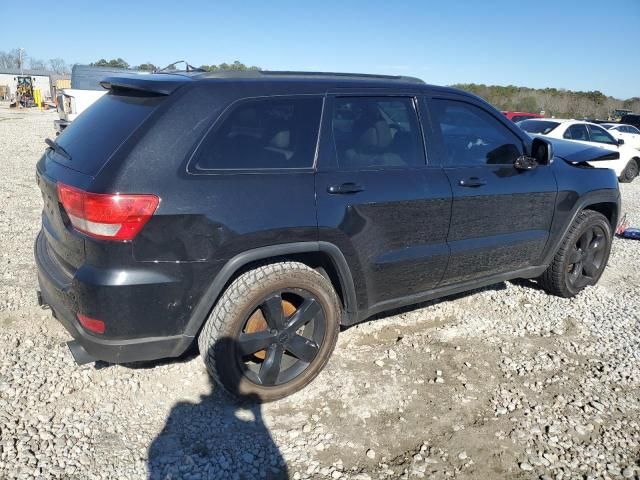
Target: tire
x,y
630,171
279,306
580,260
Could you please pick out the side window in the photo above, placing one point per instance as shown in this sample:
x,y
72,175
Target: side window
x,y
577,132
472,136
264,133
376,132
633,130
600,135
519,118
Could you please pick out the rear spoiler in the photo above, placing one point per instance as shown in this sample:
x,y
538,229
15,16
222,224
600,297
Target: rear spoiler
x,y
158,84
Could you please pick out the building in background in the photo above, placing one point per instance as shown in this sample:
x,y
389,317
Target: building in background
x,y
43,80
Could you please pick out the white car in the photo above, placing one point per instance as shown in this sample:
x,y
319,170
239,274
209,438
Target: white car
x,y
628,133
626,167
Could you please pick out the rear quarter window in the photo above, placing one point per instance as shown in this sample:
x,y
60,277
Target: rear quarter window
x,y
262,133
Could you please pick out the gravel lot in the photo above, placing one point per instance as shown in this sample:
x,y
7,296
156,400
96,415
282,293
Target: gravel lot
x,y
502,382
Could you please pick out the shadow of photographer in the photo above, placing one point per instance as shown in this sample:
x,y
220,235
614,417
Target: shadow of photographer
x,y
222,437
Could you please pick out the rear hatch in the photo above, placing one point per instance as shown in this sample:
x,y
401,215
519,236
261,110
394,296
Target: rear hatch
x,y
81,151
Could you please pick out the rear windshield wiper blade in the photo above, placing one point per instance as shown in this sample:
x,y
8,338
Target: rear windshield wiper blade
x,y
57,148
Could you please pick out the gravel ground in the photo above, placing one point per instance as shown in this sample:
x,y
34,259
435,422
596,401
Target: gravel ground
x,y
502,382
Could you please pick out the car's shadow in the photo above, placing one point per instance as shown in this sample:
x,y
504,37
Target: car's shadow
x,y
221,436
224,436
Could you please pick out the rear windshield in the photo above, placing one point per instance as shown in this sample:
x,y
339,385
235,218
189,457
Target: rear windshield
x,y
538,126
98,131
519,118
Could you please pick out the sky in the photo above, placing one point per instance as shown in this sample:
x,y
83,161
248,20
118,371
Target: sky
x,y
572,44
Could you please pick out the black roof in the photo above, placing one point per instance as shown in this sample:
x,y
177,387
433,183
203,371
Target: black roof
x,y
311,76
166,82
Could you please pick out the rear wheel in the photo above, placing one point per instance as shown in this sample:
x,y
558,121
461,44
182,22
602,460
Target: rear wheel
x,y
631,171
581,258
271,332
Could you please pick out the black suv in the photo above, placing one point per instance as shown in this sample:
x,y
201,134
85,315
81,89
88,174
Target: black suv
x,y
257,213
631,119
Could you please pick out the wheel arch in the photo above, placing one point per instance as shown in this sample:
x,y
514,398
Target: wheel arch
x,y
606,201
608,209
323,256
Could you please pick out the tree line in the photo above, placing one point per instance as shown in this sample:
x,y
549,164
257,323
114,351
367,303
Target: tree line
x,y
559,103
14,59
554,102
150,67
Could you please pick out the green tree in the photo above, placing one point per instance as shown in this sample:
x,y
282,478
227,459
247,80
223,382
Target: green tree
x,y
115,63
146,67
558,102
236,65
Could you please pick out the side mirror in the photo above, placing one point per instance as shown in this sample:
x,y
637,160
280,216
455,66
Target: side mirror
x,y
542,151
524,162
620,141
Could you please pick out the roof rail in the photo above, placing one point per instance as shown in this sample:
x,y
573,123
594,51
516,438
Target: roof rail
x,y
284,73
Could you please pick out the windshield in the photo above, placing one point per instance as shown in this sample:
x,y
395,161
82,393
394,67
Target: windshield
x,y
537,126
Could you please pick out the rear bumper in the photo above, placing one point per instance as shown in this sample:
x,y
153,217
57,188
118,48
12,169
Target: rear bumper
x,y
59,293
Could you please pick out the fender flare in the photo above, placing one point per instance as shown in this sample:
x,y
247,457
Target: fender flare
x,y
588,199
215,289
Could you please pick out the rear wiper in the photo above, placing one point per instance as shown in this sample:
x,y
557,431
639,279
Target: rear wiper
x,y
57,148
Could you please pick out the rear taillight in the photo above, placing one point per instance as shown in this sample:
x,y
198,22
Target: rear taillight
x,y
92,324
107,216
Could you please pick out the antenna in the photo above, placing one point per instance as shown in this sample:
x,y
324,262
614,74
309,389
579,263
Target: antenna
x,y
188,67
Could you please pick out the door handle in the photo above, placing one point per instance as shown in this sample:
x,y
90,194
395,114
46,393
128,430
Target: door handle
x,y
345,188
472,182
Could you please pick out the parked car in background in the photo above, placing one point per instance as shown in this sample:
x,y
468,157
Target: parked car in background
x,y
631,119
519,116
626,166
255,213
628,133
85,90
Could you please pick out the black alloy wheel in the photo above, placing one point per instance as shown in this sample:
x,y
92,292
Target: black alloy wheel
x,y
582,256
272,331
587,257
281,337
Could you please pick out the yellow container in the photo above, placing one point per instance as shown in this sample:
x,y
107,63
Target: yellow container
x,y
37,97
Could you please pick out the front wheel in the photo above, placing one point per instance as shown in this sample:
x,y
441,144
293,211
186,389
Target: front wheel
x,y
271,332
582,256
